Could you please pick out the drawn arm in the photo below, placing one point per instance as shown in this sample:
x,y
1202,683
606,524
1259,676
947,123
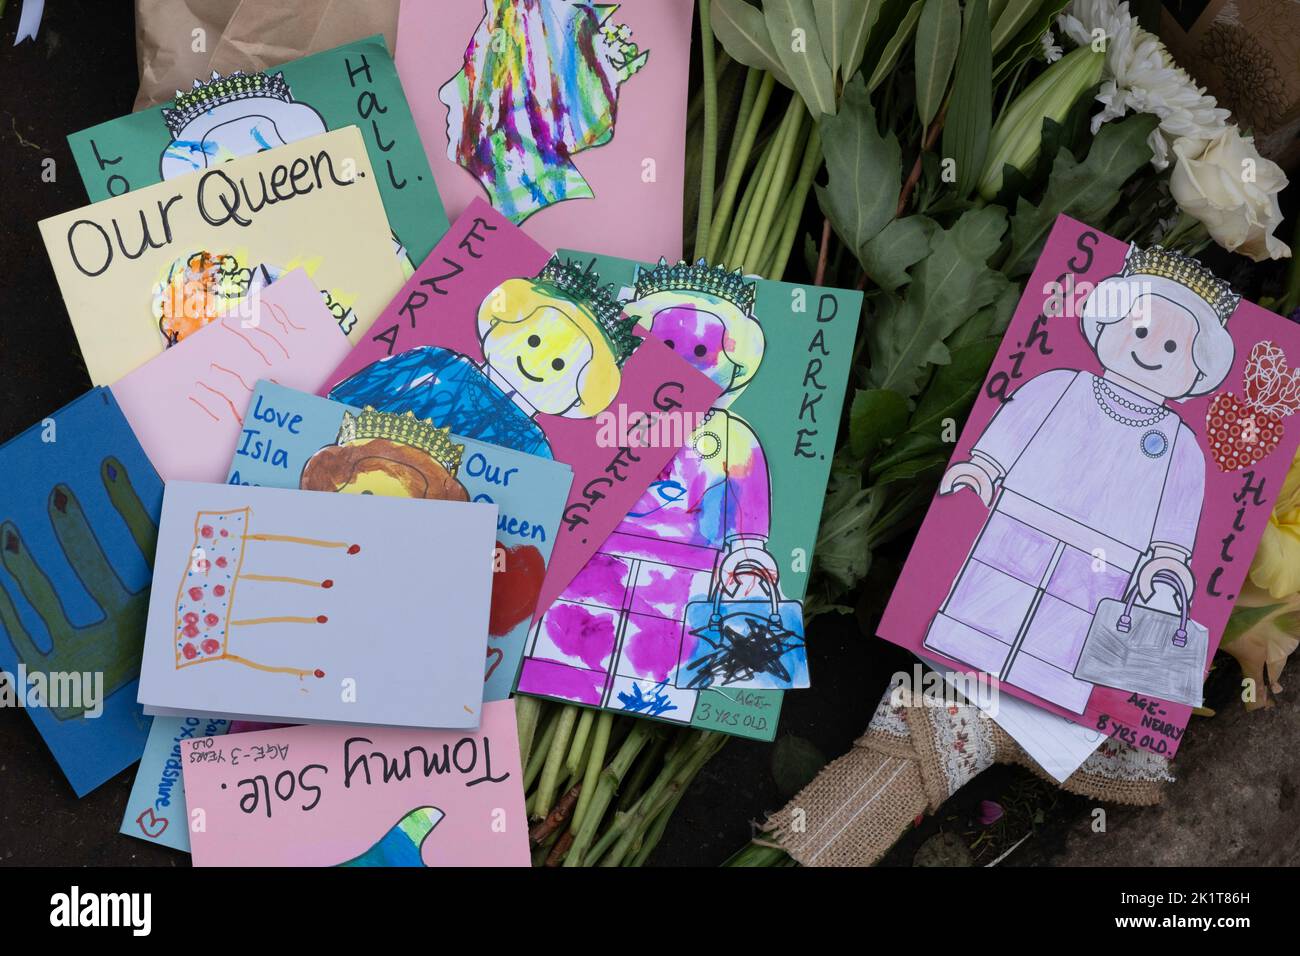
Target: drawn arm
x,y
1174,534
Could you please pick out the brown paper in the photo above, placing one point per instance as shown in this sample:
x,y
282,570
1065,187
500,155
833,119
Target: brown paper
x,y
246,35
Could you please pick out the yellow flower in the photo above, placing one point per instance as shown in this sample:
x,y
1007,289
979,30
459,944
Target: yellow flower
x,y
1276,568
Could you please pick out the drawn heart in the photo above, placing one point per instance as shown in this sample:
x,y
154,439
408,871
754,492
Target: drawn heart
x,y
495,658
515,587
1240,436
156,825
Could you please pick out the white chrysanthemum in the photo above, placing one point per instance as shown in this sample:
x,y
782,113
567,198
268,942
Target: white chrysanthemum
x,y
1141,76
1051,49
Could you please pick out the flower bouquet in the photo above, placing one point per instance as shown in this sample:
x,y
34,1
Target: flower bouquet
x,y
920,150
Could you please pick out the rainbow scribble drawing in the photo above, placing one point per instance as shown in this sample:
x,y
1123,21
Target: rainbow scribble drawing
x,y
539,84
403,844
205,620
552,345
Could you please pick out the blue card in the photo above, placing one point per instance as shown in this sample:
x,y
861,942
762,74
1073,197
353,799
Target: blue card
x,y
295,440
78,526
155,810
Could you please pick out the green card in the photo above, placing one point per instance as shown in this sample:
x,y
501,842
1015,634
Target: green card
x,y
223,117
729,527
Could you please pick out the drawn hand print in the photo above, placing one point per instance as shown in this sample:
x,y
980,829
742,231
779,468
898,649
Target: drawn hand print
x,y
111,645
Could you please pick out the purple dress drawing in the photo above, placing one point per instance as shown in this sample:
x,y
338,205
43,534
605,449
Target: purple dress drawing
x,y
1094,484
615,636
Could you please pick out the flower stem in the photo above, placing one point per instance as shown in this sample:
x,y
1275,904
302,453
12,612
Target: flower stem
x,y
595,761
557,753
528,711
753,195
573,766
606,785
791,128
538,755
812,161
736,169
704,220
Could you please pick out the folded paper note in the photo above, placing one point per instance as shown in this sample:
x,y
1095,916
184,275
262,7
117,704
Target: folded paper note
x,y
569,117
284,606
77,529
1107,494
497,340
295,440
187,406
221,117
691,606
360,796
155,811
141,271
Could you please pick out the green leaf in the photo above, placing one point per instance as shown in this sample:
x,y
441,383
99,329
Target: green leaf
x,y
843,540
1026,44
888,255
1011,19
913,444
795,761
1087,191
889,56
742,31
1244,618
952,389
938,34
832,19
806,67
875,416
859,21
864,170
913,469
954,281
991,320
970,111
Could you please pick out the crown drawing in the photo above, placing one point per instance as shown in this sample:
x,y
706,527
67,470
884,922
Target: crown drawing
x,y
616,39
1187,272
219,90
582,285
404,429
700,277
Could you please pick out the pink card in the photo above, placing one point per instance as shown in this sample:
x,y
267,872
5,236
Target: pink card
x,y
569,117
338,795
498,341
186,406
1107,494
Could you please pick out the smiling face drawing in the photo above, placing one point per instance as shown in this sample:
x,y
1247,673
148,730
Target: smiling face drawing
x,y
1153,346
548,348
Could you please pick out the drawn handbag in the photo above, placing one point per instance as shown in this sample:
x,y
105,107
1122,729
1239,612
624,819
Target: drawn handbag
x,y
1147,650
749,642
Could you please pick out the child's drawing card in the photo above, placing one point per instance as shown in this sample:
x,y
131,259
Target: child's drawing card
x,y
1107,494
568,117
155,811
78,522
500,341
141,271
691,607
330,795
295,440
187,406
278,605
221,117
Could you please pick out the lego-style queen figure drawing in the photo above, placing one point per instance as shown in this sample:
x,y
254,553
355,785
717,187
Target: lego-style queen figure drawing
x,y
236,115
552,345
615,636
1094,482
538,85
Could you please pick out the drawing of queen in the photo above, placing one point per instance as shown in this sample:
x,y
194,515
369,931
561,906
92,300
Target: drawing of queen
x,y
552,345
539,84
615,635
1094,483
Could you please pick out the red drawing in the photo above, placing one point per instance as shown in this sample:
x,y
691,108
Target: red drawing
x,y
1243,431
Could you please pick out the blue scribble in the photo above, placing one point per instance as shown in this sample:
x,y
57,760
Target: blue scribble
x,y
668,492
261,140
638,703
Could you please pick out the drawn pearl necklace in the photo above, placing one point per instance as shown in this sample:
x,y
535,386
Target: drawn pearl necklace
x,y
1105,395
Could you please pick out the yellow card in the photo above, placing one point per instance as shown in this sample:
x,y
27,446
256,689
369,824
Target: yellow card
x,y
141,271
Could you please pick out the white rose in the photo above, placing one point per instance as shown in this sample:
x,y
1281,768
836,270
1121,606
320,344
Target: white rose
x,y
1227,185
